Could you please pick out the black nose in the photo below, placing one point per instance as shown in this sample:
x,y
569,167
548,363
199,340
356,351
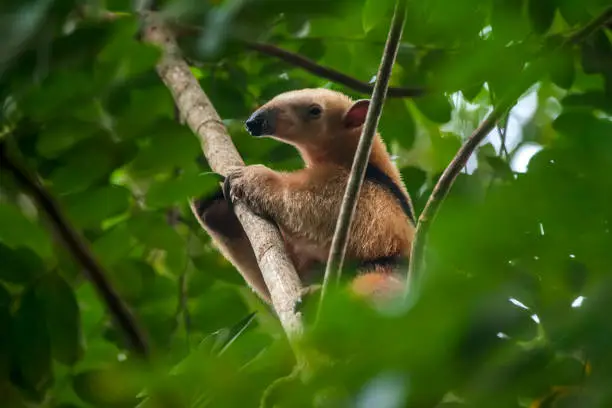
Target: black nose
x,y
260,123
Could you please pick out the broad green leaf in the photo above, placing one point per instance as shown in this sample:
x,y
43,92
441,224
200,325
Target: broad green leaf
x,y
230,101
171,145
163,194
19,265
62,134
397,124
562,69
597,54
313,49
204,310
444,148
137,109
63,317
128,276
413,178
89,208
592,99
107,387
58,90
508,22
541,14
435,107
84,165
218,267
31,342
153,230
17,230
124,56
5,329
114,244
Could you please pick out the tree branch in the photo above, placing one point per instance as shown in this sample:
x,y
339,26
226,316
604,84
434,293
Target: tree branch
x,y
338,77
338,248
79,249
276,267
445,182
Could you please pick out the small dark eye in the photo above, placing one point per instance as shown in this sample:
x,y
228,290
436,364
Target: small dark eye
x,y
314,111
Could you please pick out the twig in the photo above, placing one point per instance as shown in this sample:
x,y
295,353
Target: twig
x,y
503,130
447,179
79,249
276,267
349,202
329,73
441,190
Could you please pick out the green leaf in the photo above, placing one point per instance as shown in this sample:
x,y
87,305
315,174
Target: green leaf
x,y
471,92
63,318
375,11
541,14
413,178
85,164
592,99
500,167
170,145
205,315
57,91
124,56
19,265
89,208
31,342
436,107
397,123
597,54
137,110
190,184
59,135
228,98
444,147
313,49
562,69
114,244
17,230
507,20
5,329
576,276
214,265
106,387
226,338
153,230
128,276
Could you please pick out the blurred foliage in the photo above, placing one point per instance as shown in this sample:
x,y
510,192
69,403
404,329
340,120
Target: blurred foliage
x,y
514,310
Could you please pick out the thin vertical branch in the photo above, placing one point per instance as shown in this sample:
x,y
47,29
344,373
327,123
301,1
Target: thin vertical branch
x,y
440,191
349,202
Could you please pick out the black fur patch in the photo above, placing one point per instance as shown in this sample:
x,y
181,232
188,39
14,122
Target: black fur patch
x,y
202,203
375,175
394,262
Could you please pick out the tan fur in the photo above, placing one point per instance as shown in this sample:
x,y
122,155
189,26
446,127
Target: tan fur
x,y
305,204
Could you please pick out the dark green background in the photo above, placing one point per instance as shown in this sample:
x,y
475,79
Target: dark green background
x,y
83,106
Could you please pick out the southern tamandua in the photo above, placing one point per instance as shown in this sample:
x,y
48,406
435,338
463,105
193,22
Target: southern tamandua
x,y
325,127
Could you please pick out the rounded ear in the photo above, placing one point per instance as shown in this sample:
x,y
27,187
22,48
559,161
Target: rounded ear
x,y
355,115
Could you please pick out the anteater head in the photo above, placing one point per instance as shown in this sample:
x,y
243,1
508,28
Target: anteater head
x,y
308,117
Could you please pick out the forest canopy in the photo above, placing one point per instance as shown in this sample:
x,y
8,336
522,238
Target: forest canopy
x,y
515,295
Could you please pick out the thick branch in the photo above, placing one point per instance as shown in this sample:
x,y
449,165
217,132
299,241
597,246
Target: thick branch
x,y
445,182
197,110
328,73
79,249
349,202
